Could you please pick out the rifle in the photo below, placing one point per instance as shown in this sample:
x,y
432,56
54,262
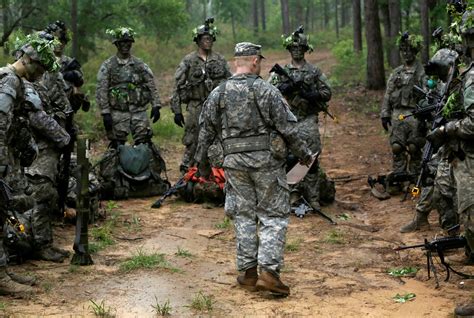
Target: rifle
x,y
440,246
277,69
63,180
304,207
174,189
423,112
389,180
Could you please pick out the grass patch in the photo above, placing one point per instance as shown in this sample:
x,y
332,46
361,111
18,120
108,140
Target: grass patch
x,y
225,224
3,306
404,298
334,237
202,302
162,309
294,245
101,310
403,272
183,253
47,286
143,260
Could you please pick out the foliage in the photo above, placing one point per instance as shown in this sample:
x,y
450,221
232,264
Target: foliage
x,y
334,237
202,302
44,48
120,32
183,253
225,224
143,260
404,298
294,245
162,309
404,271
101,310
343,216
351,65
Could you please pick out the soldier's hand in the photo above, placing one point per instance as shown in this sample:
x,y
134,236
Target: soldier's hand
x,y
311,96
307,159
286,88
179,120
386,122
155,113
437,136
108,122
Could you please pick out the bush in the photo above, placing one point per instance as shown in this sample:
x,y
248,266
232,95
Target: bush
x,y
351,66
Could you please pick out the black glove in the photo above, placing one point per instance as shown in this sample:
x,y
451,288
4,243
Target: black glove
x,y
386,122
311,96
437,136
108,122
306,159
155,113
179,120
286,88
74,77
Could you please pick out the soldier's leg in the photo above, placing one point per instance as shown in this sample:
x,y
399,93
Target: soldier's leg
x,y
398,137
416,141
311,182
9,283
444,196
121,127
191,134
423,209
414,164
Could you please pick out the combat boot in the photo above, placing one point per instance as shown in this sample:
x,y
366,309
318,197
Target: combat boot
x,y
248,279
467,258
22,279
48,253
272,283
464,310
11,288
420,221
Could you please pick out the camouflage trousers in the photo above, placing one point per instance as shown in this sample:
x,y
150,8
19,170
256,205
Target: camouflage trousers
x,y
406,140
258,203
464,175
125,122
191,132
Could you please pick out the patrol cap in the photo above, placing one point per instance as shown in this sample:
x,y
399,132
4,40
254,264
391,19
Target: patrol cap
x,y
248,49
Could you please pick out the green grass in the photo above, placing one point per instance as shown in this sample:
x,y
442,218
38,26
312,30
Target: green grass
x,y
166,129
225,224
101,310
183,253
294,245
143,260
334,237
162,309
202,302
403,272
3,306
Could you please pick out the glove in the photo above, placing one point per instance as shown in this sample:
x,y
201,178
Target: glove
x,y
437,136
286,88
179,120
386,122
311,96
74,77
306,159
155,113
108,122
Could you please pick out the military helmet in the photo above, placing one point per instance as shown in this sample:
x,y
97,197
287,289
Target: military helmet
x,y
206,28
39,47
59,30
121,34
297,38
467,23
412,41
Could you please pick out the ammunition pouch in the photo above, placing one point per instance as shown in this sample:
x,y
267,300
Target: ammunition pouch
x,y
246,144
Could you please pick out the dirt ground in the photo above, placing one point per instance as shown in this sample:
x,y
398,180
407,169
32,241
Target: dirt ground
x,y
333,270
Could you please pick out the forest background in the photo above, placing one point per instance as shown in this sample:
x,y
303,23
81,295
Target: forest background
x,y
356,31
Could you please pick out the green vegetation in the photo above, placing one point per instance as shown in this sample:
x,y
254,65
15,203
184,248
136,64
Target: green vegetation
x,y
143,260
334,237
202,302
3,306
294,245
225,224
403,272
343,216
350,67
101,310
404,298
162,309
183,253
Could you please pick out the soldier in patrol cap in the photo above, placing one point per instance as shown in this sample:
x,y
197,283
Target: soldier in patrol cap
x,y
253,124
196,76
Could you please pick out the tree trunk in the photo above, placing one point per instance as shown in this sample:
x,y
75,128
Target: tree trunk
x,y
285,16
357,26
385,16
336,5
75,40
255,16
262,15
6,23
326,13
204,9
298,15
425,30
232,19
375,67
344,16
395,29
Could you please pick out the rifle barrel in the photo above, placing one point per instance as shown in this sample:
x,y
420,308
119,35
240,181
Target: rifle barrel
x,y
400,248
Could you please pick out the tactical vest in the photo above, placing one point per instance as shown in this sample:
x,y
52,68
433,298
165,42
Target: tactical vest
x,y
403,82
202,79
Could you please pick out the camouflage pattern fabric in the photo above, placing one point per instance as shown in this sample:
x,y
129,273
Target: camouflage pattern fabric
x,y
124,90
257,195
64,62
407,134
195,78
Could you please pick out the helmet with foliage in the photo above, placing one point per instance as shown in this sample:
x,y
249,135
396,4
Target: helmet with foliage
x,y
467,23
206,28
121,34
411,41
59,30
297,38
39,46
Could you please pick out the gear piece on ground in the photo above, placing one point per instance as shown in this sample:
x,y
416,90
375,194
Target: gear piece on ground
x,y
11,288
269,282
50,254
22,279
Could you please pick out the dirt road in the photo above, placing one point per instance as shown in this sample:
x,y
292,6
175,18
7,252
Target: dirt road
x,y
333,271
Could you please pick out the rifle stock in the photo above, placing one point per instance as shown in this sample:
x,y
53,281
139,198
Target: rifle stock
x,y
174,189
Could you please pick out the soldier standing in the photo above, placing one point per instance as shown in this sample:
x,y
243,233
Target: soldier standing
x,y
249,118
197,75
307,93
407,136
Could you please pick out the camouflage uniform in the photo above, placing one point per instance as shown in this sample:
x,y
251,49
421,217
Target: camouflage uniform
x,y
248,115
195,78
306,112
124,89
406,136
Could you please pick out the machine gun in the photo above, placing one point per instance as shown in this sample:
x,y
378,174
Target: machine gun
x,y
440,246
173,190
277,69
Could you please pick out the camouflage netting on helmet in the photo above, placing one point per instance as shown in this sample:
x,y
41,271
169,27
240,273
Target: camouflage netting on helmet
x,y
297,38
39,48
467,22
206,28
121,34
412,41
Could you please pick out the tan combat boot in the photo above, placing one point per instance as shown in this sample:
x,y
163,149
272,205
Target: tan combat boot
x,y
248,279
270,282
11,288
420,221
22,279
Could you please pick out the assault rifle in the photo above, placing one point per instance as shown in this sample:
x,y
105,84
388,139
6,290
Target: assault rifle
x,y
63,180
440,246
277,69
423,112
173,190
390,180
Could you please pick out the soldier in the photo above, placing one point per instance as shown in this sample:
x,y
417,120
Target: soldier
x,y
197,75
407,136
252,122
17,148
125,87
460,134
307,94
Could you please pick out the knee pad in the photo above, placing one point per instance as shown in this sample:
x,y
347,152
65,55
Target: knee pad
x,y
397,148
413,149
